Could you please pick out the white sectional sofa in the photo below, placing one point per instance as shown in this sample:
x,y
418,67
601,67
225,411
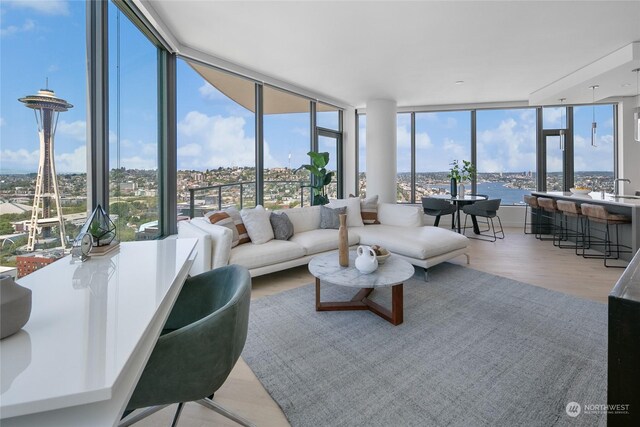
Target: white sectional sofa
x,y
401,231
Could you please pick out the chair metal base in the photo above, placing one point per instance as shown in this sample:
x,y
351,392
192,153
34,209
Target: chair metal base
x,y
208,403
136,416
487,237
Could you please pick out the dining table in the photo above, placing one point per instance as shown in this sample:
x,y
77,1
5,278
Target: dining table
x,y
459,201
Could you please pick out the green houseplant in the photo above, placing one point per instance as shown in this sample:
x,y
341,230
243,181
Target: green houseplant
x,y
460,174
320,178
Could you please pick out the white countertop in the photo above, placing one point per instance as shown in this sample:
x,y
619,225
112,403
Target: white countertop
x,y
594,197
87,321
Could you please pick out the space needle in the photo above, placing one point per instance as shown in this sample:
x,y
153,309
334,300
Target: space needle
x,y
46,107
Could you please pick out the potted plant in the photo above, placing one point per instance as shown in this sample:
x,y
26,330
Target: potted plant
x,y
320,178
459,175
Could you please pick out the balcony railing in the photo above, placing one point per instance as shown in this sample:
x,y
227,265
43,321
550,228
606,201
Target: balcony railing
x,y
245,188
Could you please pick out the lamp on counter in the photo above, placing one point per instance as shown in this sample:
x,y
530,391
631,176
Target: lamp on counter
x,y
562,125
636,115
594,125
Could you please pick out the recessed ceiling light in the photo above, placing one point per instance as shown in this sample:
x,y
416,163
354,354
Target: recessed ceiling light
x,y
625,85
459,82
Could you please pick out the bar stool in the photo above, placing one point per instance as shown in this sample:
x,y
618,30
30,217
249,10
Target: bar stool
x,y
531,202
599,214
570,210
549,213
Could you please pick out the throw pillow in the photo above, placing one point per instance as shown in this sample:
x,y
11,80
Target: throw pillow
x,y
354,219
257,223
223,219
237,220
369,210
282,226
329,218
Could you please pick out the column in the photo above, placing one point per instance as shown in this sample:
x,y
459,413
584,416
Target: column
x,y
382,149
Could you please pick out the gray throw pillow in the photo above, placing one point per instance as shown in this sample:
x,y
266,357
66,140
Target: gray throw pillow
x,y
329,217
282,226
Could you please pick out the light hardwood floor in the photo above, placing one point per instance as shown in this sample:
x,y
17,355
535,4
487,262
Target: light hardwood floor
x,y
519,257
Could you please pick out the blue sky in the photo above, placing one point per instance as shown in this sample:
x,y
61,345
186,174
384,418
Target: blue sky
x,y
47,39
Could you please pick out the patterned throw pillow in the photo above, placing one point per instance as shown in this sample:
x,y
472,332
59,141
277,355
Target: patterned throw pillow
x,y
329,218
223,219
282,226
237,220
369,210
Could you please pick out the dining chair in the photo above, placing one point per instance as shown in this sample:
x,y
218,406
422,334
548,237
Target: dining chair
x,y
437,207
487,209
200,344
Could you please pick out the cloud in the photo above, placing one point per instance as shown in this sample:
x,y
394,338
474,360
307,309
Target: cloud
x,y
20,158
75,161
66,162
222,142
509,147
207,91
47,7
76,130
2,122
28,25
552,115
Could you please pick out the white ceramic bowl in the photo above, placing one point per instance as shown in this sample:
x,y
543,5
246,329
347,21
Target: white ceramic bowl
x,y
583,192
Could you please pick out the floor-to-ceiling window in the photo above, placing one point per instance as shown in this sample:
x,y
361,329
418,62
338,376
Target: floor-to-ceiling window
x,y
42,47
593,165
506,153
133,129
287,140
216,138
361,183
441,138
403,159
329,140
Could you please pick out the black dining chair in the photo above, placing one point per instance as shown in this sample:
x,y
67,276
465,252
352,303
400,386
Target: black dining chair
x,y
438,207
487,209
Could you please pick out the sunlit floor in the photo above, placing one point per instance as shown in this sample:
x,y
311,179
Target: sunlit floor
x,y
518,256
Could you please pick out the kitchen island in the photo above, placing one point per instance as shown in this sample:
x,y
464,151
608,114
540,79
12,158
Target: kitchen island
x,y
625,205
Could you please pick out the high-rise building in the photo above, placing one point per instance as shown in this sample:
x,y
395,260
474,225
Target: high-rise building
x,y
46,108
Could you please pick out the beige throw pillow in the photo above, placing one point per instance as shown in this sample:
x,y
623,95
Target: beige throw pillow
x,y
369,210
223,219
258,225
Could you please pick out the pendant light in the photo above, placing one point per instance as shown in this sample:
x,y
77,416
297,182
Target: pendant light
x,y
594,125
562,125
636,115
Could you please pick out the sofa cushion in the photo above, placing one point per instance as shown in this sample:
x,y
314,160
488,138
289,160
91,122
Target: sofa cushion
x,y
369,210
321,240
237,220
354,218
415,242
223,219
272,252
399,215
282,226
258,226
305,218
330,218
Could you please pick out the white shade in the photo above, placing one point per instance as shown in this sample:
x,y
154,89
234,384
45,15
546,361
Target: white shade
x,y
636,127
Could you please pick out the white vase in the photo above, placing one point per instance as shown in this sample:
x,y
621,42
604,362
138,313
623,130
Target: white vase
x,y
461,190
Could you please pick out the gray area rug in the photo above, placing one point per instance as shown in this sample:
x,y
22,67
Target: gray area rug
x,y
474,349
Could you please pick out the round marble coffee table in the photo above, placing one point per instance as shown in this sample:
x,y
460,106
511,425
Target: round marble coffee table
x,y
392,273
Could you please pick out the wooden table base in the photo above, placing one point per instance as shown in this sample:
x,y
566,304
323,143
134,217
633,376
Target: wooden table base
x,y
361,302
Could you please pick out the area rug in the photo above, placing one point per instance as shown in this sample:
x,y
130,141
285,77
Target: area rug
x,y
474,350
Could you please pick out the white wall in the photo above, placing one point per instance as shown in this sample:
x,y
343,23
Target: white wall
x,y
382,149
628,149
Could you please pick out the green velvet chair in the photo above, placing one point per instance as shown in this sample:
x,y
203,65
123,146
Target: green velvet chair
x,y
201,342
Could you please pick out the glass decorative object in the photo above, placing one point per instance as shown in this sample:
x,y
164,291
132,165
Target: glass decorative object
x,y
100,226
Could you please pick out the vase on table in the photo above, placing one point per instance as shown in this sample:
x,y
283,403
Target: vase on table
x,y
454,187
343,242
461,189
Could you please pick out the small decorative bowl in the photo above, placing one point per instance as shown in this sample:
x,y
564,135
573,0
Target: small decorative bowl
x,y
581,191
382,258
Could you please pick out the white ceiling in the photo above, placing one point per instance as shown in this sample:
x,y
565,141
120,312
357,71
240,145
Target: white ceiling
x,y
413,52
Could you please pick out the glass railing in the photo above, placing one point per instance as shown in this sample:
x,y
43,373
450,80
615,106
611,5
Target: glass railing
x,y
277,195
